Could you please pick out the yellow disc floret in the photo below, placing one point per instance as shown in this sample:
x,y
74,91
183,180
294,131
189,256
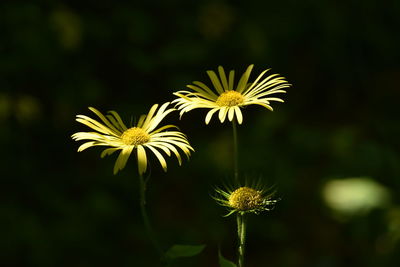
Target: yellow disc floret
x,y
245,198
229,99
135,136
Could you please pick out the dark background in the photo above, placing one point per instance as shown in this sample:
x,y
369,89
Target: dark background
x,y
340,120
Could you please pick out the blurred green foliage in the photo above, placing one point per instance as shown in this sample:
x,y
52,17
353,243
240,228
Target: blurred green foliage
x,y
340,119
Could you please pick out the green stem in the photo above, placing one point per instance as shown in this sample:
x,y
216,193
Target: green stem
x,y
235,154
241,225
145,217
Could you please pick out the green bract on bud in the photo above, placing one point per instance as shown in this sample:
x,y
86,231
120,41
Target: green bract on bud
x,y
245,200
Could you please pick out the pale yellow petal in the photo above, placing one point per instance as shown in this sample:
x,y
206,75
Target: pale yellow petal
x,y
222,114
244,79
164,128
174,150
268,84
122,158
160,145
268,80
104,119
157,120
140,121
231,79
114,122
119,120
161,114
206,94
274,99
262,104
239,115
269,92
210,114
185,147
215,81
95,125
164,138
159,157
142,160
150,115
223,78
231,112
108,151
205,88
92,136
85,146
256,81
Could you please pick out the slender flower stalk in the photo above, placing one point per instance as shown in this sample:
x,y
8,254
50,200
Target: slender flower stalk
x,y
241,220
235,153
140,139
145,217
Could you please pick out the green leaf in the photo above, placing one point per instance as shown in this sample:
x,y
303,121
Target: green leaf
x,y
180,251
224,262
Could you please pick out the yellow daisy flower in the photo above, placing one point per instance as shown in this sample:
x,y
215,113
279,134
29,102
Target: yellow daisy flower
x,y
140,139
227,99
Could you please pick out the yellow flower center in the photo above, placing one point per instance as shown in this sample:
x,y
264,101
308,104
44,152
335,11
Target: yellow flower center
x,y
135,136
230,98
245,198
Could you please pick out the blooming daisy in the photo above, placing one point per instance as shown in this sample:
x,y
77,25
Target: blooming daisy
x,y
226,98
245,199
144,137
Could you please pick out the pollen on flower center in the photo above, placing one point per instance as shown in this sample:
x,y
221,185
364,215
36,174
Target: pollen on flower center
x,y
135,136
245,198
230,98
